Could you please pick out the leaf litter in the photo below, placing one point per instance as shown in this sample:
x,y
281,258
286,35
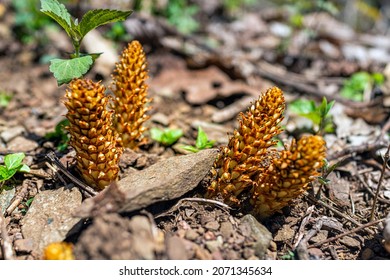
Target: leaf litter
x,y
194,83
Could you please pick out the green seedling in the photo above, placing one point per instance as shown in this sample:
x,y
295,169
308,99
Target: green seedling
x,y
167,136
181,15
359,83
319,115
12,164
28,21
78,64
60,135
201,143
118,33
5,98
26,205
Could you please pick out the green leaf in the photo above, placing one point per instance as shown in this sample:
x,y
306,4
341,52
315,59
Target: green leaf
x,y
302,106
170,136
13,161
201,140
191,149
24,168
3,173
65,70
167,136
59,13
156,134
95,18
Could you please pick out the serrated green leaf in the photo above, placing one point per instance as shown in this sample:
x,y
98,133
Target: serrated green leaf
x,y
13,161
95,18
65,70
59,13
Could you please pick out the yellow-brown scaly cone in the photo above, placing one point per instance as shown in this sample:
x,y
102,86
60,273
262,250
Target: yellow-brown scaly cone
x,y
130,91
242,158
288,175
91,133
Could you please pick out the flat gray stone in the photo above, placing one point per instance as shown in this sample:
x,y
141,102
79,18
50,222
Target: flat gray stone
x,y
261,233
165,180
50,218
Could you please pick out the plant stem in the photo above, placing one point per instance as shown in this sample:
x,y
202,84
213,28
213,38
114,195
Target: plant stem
x,y
386,158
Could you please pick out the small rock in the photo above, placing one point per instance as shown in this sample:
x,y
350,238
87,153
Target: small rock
x,y
209,235
160,118
213,225
23,245
176,249
202,254
191,234
248,253
21,144
232,255
286,233
213,245
262,236
350,242
226,230
320,236
6,195
11,133
315,253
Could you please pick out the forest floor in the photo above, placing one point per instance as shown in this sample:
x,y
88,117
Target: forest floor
x,y
204,79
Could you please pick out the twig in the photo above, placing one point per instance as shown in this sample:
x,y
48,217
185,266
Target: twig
x,y
18,198
195,199
5,243
55,172
367,187
87,189
349,151
362,227
337,212
386,158
304,222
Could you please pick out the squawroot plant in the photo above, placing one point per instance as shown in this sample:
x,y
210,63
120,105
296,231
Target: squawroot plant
x,y
250,169
99,130
97,150
130,92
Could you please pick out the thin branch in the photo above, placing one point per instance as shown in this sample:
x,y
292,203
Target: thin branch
x,y
362,227
386,158
5,243
87,189
337,212
351,150
367,187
